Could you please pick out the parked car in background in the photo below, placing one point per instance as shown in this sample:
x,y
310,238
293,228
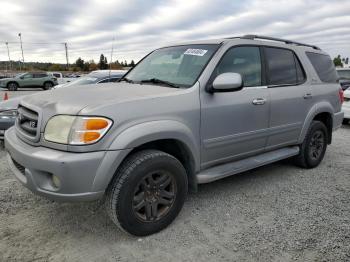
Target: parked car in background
x,y
60,77
346,106
186,114
96,77
344,77
8,108
30,79
8,113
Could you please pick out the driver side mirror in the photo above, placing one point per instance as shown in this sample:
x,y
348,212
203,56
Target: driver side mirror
x,y
227,82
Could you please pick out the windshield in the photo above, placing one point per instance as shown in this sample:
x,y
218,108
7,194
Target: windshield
x,y
344,74
178,65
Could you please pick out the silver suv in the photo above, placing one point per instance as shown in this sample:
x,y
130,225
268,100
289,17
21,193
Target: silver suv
x,y
185,115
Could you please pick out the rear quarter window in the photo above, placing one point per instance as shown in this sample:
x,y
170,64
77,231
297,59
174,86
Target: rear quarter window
x,y
323,66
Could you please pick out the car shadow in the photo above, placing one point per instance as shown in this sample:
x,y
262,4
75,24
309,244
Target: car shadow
x,y
85,219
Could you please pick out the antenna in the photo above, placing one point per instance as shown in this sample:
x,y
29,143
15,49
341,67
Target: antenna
x,y
110,62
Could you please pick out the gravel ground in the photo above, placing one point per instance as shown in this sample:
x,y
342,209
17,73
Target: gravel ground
x,y
275,213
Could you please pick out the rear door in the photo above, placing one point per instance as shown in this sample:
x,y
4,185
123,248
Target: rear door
x,y
290,95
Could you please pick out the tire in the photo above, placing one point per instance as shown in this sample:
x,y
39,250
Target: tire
x,y
130,199
314,146
12,86
48,85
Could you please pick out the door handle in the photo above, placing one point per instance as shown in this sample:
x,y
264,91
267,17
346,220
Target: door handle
x,y
307,96
259,101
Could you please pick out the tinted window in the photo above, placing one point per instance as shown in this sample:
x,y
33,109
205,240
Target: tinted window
x,y
323,66
245,61
283,67
39,75
56,75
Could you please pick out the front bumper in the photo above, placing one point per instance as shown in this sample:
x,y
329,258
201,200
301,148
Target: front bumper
x,y
82,176
346,110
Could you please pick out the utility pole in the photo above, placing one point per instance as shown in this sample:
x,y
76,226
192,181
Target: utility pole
x,y
8,53
66,49
20,39
110,62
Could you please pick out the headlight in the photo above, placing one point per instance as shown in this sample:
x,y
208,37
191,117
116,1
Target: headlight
x,y
76,130
8,113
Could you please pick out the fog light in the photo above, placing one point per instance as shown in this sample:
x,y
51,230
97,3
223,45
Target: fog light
x,y
56,181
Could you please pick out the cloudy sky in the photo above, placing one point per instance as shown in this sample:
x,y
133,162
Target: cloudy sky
x,y
88,26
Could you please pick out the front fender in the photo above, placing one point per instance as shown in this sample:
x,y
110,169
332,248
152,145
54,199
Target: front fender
x,y
322,107
143,133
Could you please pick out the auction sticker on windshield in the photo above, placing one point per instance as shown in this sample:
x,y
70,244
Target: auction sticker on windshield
x,y
197,52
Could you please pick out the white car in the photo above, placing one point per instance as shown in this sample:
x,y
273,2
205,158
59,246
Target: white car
x,y
60,78
346,106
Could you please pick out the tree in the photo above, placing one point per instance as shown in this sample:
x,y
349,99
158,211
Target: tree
x,y
132,63
80,63
92,66
337,61
55,67
103,62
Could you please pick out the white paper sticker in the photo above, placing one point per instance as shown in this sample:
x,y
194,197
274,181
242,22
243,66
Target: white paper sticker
x,y
197,52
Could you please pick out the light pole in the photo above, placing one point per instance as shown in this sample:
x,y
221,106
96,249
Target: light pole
x,y
20,39
8,53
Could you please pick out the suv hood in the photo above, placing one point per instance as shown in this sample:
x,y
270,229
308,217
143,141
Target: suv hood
x,y
72,100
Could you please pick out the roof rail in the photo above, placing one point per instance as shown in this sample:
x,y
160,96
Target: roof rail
x,y
252,37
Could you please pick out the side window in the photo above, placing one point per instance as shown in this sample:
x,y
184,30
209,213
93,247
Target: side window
x,y
323,66
26,76
301,78
244,60
283,67
57,75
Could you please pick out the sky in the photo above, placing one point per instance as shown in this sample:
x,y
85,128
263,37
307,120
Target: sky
x,y
89,26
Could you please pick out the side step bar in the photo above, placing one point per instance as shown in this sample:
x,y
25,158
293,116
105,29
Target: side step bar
x,y
233,168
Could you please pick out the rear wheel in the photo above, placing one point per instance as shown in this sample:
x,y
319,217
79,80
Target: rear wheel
x,y
147,192
314,146
12,86
48,85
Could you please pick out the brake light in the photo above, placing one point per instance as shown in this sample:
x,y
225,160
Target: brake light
x,y
341,95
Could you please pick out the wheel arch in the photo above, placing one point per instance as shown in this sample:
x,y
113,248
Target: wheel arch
x,y
169,136
12,81
322,112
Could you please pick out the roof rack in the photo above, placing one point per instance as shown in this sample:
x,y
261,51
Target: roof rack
x,y
252,37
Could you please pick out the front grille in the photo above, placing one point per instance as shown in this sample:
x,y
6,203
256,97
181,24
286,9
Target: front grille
x,y
27,121
19,166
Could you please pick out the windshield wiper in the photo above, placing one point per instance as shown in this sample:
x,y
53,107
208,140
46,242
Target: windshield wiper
x,y
159,81
126,80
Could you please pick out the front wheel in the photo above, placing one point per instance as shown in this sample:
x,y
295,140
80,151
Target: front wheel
x,y
147,193
48,85
314,146
12,86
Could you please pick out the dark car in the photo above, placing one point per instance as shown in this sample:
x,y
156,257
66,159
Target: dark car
x,y
344,77
8,108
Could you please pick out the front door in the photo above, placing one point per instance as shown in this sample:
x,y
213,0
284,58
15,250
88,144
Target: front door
x,y
27,80
235,124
